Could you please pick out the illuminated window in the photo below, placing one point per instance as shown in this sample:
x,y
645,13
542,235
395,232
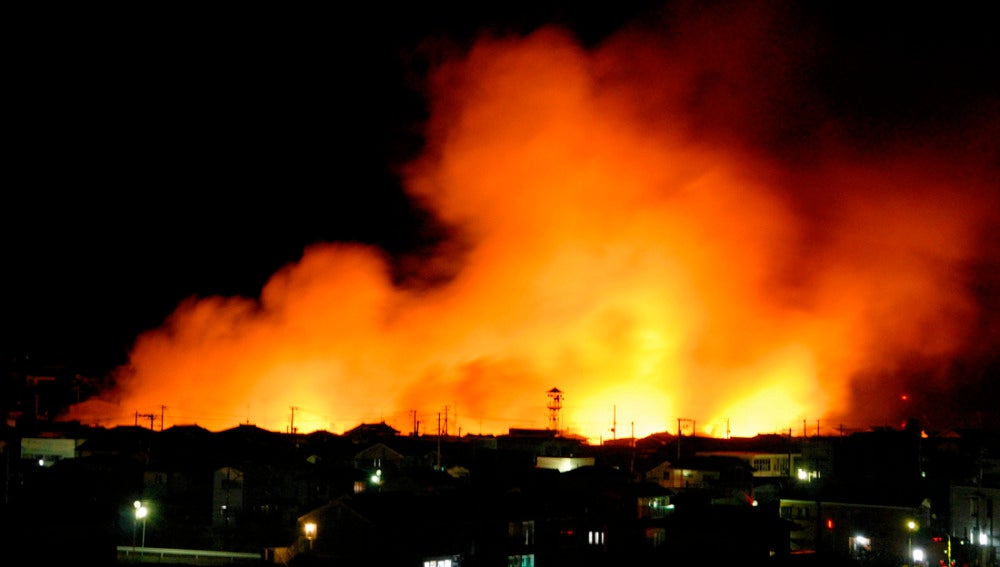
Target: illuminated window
x,y
595,537
656,537
807,476
654,507
521,560
522,532
762,465
861,546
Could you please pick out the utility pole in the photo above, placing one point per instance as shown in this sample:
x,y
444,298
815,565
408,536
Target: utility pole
x,y
614,422
150,416
631,464
678,438
680,432
162,408
291,425
439,443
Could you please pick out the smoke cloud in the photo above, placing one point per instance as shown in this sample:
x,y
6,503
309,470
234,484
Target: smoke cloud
x,y
676,223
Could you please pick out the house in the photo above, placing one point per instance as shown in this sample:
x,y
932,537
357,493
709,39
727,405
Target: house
x,y
367,433
721,479
391,528
855,531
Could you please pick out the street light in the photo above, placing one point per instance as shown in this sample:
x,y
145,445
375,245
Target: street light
x,y
310,529
911,527
140,514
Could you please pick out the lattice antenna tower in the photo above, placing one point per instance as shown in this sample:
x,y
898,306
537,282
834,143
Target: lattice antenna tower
x,y
554,405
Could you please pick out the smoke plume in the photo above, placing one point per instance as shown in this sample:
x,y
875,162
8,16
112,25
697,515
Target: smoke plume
x,y
679,222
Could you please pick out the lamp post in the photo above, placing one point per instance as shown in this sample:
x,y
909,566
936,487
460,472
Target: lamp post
x,y
911,527
310,529
140,514
135,520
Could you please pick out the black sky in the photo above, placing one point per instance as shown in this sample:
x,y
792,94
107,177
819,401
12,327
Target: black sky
x,y
156,155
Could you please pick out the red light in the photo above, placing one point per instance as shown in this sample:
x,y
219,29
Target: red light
x,y
829,523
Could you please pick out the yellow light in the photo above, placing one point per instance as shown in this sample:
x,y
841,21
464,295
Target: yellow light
x,y
310,529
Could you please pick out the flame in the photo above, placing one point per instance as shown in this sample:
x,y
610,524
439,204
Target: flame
x,y
617,232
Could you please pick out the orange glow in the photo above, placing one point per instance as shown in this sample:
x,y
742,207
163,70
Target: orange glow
x,y
618,241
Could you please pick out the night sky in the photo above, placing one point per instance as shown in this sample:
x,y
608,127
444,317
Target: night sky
x,y
156,156
161,155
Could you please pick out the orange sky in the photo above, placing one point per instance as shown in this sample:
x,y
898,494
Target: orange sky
x,y
622,228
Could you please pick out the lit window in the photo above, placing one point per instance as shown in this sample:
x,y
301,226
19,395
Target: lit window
x,y
656,536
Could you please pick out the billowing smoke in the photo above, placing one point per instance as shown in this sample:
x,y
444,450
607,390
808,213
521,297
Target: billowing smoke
x,y
673,225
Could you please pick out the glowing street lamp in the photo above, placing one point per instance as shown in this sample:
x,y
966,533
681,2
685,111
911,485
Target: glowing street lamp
x,y
911,526
140,514
310,530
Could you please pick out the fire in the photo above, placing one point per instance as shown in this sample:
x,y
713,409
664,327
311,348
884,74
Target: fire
x,y
614,235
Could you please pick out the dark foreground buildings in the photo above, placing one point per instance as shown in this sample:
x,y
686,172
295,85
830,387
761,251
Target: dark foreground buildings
x,y
530,498
73,494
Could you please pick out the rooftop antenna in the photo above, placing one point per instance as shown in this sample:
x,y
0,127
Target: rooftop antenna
x,y
554,405
150,416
